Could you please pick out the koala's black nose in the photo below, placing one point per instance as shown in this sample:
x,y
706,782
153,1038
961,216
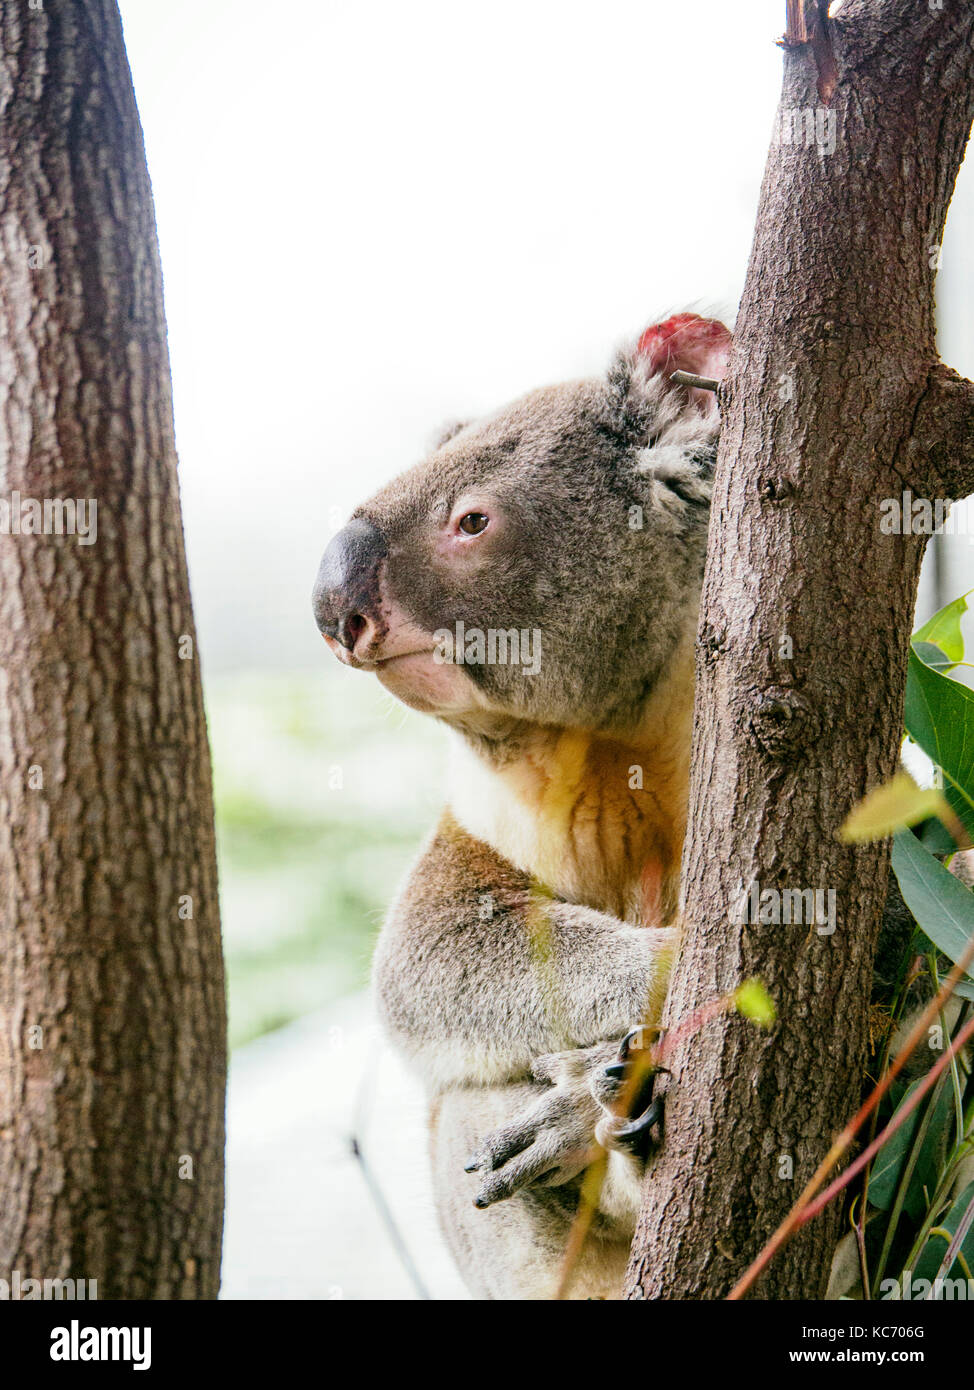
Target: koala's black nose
x,y
346,598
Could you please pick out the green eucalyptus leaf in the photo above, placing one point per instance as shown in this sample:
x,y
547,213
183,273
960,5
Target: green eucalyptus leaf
x,y
935,836
935,1248
753,1001
944,631
933,656
940,718
888,808
888,1165
942,905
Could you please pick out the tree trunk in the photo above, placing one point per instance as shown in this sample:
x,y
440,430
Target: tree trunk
x,y
834,401
112,1015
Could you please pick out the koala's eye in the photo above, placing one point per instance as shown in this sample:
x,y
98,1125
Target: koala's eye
x,y
473,523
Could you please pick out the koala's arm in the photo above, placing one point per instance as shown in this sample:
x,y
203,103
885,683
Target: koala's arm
x,y
478,973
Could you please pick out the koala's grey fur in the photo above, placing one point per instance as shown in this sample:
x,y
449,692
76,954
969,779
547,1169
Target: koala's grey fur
x,y
600,493
537,927
576,458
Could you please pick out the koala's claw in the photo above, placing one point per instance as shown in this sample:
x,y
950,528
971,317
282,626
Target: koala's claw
x,y
642,1111
634,1041
636,1135
596,1097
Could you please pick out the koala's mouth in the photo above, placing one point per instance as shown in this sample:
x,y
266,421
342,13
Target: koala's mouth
x,y
394,663
374,662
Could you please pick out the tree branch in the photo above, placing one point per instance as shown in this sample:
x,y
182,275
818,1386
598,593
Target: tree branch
x,y
943,436
832,397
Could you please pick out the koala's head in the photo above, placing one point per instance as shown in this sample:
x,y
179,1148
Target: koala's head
x,y
543,563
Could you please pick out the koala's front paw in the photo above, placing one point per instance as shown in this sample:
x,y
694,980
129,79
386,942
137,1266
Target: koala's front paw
x,y
624,1089
552,1140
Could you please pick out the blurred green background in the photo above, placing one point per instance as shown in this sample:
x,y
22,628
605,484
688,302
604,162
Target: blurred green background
x,y
324,789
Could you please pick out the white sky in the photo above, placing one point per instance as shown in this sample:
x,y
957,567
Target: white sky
x,y
375,217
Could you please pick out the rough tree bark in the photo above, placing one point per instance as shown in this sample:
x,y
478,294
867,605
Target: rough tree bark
x,y
112,1017
834,400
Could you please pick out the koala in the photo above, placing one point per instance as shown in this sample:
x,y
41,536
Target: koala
x,y
533,585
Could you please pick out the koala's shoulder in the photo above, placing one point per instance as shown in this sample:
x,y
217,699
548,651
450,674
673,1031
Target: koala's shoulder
x,y
454,876
442,922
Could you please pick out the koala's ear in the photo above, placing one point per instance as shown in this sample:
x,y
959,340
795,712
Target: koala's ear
x,y
685,343
644,399
447,432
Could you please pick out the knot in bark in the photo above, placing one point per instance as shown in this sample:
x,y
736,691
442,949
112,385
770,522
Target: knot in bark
x,y
775,487
783,722
711,643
